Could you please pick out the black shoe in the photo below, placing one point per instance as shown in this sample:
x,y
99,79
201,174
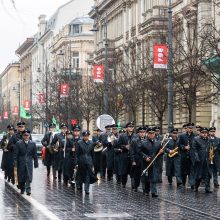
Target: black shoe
x,y
28,193
216,185
123,186
135,189
179,185
79,189
55,177
192,187
154,195
208,191
147,193
22,191
87,192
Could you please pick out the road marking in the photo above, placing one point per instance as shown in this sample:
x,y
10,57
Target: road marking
x,y
189,208
34,202
108,215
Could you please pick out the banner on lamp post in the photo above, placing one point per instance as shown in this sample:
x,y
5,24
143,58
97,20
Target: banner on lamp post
x,y
98,73
15,110
64,90
160,56
5,115
41,98
27,105
74,121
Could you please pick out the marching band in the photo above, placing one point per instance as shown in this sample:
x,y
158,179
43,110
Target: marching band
x,y
192,157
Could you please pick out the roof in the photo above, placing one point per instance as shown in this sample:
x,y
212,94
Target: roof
x,y
82,20
27,43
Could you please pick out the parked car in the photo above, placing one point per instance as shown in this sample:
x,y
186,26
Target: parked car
x,y
37,139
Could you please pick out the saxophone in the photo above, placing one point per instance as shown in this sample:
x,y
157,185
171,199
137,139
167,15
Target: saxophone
x,y
211,154
175,152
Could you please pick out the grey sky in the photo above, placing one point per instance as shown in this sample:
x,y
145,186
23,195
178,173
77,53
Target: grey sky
x,y
19,21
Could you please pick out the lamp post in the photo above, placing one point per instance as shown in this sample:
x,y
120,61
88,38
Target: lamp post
x,y
105,83
170,68
19,99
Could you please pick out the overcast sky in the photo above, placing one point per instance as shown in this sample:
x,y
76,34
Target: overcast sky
x,y
18,20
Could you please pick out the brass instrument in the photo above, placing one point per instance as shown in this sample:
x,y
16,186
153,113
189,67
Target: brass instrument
x,y
54,148
98,147
211,154
111,138
5,148
175,152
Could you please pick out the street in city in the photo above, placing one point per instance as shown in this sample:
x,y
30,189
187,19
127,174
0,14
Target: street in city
x,y
52,200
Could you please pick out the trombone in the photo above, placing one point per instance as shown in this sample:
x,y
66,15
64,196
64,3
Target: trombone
x,y
164,144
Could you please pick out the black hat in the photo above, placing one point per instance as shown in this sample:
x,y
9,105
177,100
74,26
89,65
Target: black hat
x,y
212,129
129,124
184,125
108,126
85,133
151,130
190,124
204,130
174,130
52,125
10,127
26,131
157,128
142,128
20,123
98,130
114,126
76,128
63,125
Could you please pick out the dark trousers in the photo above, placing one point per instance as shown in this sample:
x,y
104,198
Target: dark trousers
x,y
87,183
135,176
103,164
215,174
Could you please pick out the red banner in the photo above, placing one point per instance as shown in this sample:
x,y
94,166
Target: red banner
x,y
41,98
98,73
64,90
5,115
160,56
27,105
15,110
74,121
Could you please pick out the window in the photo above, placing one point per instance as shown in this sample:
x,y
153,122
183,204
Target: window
x,y
76,29
75,58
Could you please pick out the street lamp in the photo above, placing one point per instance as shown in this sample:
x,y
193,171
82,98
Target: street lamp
x,y
17,90
170,68
105,92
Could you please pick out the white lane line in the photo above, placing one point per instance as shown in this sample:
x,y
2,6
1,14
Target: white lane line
x,y
108,215
43,209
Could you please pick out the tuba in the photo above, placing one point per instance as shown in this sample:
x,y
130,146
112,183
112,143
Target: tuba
x,y
175,152
98,147
211,154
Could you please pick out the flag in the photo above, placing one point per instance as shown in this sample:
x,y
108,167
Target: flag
x,y
55,122
23,113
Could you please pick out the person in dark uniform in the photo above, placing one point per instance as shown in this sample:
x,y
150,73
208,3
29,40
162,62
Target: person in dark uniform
x,y
68,158
58,144
7,156
96,139
136,160
112,138
46,142
184,128
215,141
84,162
75,138
204,159
173,162
104,141
123,151
24,155
159,138
187,155
198,129
148,150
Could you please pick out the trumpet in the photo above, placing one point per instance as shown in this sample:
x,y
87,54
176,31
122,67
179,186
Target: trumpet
x,y
111,138
174,153
211,154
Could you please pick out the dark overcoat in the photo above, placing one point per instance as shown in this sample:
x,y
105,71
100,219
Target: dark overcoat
x,y
201,147
149,148
97,155
58,157
46,141
173,164
84,160
24,156
124,155
187,156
